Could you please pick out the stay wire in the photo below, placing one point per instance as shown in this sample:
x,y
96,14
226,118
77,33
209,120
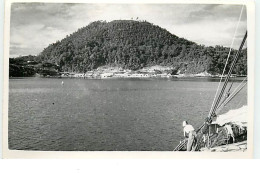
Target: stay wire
x,y
226,80
210,112
222,106
180,146
234,93
227,93
229,73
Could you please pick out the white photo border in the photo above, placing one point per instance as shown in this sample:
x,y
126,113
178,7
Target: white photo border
x,y
250,5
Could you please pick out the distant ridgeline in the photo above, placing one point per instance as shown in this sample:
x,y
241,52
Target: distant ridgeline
x,y
130,45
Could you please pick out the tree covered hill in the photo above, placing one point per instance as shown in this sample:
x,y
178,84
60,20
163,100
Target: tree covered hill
x,y
133,45
26,66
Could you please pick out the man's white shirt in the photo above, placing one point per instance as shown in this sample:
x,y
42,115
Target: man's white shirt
x,y
188,128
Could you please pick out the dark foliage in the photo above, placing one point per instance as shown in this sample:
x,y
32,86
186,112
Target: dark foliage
x,y
133,45
26,66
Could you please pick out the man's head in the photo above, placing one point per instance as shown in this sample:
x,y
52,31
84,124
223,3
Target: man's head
x,y
184,123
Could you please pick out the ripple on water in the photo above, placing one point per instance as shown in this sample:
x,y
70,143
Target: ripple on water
x,y
105,115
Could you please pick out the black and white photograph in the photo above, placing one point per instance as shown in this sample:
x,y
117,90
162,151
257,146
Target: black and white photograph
x,y
128,77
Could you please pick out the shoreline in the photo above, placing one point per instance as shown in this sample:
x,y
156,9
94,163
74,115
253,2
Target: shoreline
x,y
115,72
132,77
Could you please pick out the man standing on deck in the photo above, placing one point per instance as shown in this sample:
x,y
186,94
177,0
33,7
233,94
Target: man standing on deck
x,y
189,133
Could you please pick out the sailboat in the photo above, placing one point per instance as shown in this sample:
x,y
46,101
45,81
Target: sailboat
x,y
226,132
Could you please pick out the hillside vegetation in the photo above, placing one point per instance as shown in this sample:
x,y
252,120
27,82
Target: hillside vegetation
x,y
134,45
26,66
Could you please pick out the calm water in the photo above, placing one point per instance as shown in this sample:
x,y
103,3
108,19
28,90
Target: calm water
x,y
124,115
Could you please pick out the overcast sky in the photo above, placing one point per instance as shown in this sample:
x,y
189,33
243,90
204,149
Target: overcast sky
x,y
36,25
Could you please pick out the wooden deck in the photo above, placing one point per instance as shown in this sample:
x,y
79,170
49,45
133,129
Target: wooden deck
x,y
235,147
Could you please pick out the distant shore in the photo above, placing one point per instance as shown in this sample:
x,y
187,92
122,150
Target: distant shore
x,y
107,72
168,77
114,72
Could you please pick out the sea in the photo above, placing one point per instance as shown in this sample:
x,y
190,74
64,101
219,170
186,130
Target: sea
x,y
47,114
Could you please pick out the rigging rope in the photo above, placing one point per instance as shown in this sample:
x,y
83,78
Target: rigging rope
x,y
232,95
241,12
214,105
227,93
181,145
229,74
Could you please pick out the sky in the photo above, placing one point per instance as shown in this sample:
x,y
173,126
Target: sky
x,y
36,25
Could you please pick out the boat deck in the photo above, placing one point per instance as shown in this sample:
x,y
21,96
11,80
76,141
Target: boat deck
x,y
240,146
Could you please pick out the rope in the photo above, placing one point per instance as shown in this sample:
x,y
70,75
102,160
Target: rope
x,y
182,143
227,93
236,89
229,74
226,79
230,86
233,94
179,147
241,12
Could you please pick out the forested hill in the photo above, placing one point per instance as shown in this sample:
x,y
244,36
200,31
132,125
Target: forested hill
x,y
133,45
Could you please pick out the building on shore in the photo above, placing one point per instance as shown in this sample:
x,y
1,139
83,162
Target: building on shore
x,y
106,75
